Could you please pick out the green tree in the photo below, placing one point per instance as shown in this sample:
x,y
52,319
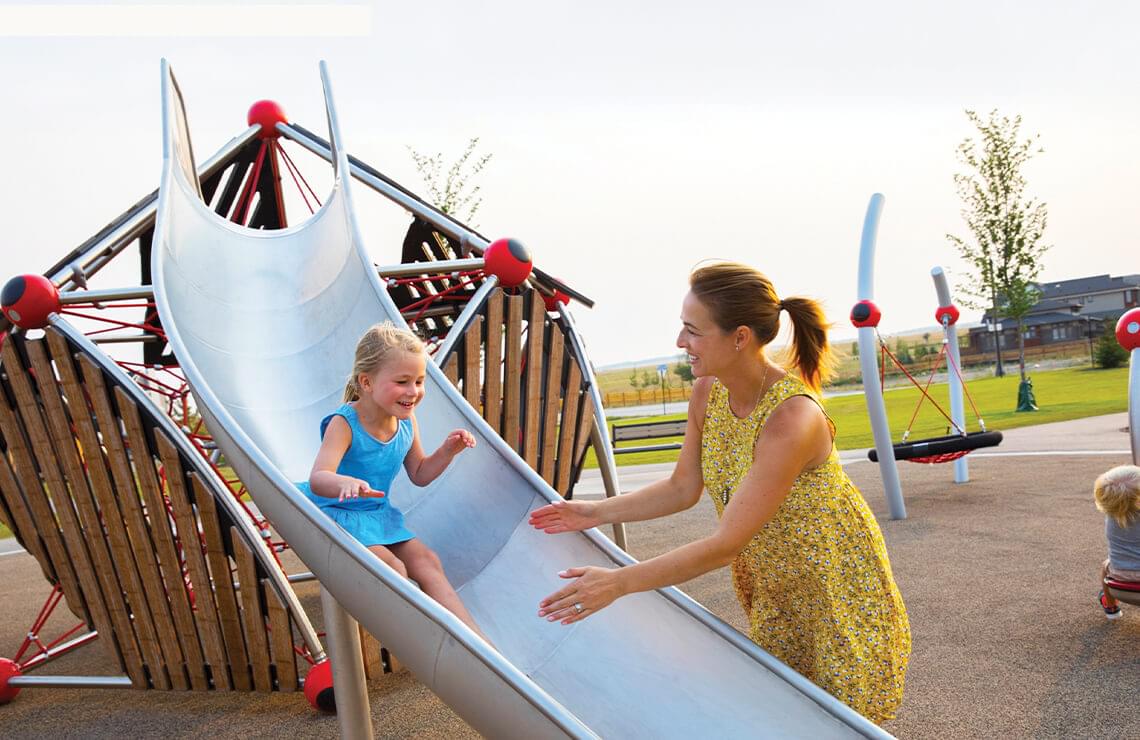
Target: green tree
x,y
1007,224
1108,353
647,379
454,193
634,381
684,371
854,349
902,351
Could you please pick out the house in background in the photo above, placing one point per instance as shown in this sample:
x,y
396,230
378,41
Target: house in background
x,y
1068,311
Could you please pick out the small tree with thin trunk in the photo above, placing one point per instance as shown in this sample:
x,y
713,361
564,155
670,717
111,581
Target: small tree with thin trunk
x,y
1007,224
455,192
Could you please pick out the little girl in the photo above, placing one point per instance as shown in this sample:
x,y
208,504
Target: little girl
x,y
1117,495
363,444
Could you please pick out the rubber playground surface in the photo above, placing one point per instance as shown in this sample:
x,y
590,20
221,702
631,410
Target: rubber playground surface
x,y
999,576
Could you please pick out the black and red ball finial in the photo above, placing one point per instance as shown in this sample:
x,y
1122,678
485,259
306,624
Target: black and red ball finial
x,y
865,313
28,300
267,114
509,261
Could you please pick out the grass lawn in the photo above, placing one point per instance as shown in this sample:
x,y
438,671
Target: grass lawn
x,y
1070,393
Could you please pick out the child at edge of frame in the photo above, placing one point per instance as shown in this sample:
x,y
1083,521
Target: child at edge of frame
x,y
1117,496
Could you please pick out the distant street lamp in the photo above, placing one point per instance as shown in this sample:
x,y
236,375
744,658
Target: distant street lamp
x,y
1075,308
661,370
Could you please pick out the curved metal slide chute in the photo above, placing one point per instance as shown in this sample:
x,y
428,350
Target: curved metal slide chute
x,y
264,324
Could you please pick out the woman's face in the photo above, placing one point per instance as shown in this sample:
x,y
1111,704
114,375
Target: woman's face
x,y
709,348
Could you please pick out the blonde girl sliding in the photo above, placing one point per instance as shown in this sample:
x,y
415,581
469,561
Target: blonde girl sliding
x,y
363,444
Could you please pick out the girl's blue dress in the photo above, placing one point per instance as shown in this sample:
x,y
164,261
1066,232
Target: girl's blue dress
x,y
372,521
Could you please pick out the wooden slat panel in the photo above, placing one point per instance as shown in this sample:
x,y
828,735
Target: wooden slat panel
x,y
550,402
252,618
451,369
512,366
585,420
205,611
493,363
177,602
106,600
167,671
130,577
371,653
212,529
472,344
281,634
25,455
20,521
535,339
567,427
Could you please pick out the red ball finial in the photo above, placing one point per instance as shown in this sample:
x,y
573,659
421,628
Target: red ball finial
x,y
267,114
552,301
28,300
508,260
865,313
950,313
1128,330
319,687
8,669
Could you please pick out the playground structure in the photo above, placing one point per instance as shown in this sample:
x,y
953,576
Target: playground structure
x,y
865,316
114,477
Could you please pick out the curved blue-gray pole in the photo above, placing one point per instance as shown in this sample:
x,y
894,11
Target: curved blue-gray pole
x,y
1134,404
950,332
869,362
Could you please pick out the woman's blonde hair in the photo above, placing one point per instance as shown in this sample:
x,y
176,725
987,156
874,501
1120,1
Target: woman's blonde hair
x,y
376,347
1117,494
739,295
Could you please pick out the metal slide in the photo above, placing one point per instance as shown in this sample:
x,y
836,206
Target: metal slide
x,y
264,324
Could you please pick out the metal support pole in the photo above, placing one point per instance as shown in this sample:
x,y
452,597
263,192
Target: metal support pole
x,y
70,682
869,362
342,634
1134,404
950,331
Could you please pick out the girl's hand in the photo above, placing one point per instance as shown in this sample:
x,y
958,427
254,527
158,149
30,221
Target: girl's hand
x,y
458,441
350,488
565,516
592,590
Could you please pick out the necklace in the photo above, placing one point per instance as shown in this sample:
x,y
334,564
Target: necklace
x,y
759,394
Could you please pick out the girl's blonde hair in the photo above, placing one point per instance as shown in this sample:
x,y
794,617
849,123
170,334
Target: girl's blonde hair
x,y
376,347
1117,494
739,295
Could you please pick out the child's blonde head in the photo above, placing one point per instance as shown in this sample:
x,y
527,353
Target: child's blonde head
x,y
378,345
1117,494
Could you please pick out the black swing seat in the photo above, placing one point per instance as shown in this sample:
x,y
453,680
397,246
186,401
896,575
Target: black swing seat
x,y
941,445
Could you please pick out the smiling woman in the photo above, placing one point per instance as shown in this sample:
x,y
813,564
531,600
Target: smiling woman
x,y
808,560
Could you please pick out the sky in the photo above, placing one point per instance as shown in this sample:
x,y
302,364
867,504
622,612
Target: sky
x,y
630,141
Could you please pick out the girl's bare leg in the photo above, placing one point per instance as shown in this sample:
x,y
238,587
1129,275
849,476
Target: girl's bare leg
x,y
425,569
382,552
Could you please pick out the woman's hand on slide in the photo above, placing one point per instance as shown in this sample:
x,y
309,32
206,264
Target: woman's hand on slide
x,y
592,590
565,516
350,488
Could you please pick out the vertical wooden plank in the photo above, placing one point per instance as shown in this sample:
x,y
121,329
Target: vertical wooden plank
x,y
212,529
568,426
535,340
493,363
205,611
20,521
106,600
472,344
585,420
281,634
512,366
451,370
371,652
44,496
130,577
550,403
252,618
154,603
169,564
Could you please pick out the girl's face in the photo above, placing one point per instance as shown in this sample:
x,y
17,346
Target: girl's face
x,y
709,348
398,386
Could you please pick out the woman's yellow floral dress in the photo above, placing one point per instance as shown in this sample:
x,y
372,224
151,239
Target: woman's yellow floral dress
x,y
815,581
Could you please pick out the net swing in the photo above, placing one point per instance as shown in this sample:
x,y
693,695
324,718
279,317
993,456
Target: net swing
x,y
952,445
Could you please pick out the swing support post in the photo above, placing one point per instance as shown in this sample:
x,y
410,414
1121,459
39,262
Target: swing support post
x,y
868,360
950,336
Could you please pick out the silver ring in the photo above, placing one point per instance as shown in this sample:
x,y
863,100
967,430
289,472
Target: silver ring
x,y
578,607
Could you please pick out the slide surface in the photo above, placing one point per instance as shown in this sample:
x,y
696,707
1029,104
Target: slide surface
x,y
264,324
